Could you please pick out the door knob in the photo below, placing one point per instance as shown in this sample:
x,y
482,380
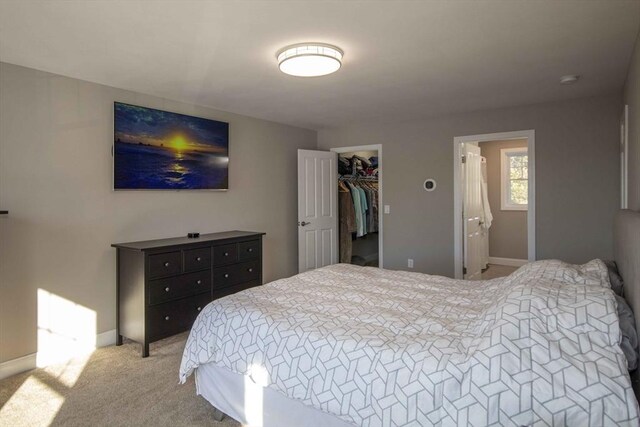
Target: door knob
x,y
303,223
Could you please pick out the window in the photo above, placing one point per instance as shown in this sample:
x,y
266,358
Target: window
x,y
515,179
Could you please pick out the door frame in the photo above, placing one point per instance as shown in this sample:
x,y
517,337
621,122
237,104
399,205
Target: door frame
x,y
624,158
457,191
378,148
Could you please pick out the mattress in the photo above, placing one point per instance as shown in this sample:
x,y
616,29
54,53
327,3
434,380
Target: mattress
x,y
378,347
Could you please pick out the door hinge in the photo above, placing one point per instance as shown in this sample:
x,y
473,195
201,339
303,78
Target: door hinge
x,y
464,159
464,270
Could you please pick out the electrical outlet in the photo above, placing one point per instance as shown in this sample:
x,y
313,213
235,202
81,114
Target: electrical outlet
x,y
410,263
387,209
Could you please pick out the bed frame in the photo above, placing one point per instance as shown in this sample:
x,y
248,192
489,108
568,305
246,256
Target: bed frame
x,y
626,241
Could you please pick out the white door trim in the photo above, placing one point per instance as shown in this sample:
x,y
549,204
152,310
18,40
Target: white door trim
x,y
624,158
378,148
457,191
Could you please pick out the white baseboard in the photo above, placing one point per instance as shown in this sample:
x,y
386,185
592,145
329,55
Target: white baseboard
x,y
15,366
28,362
511,262
106,338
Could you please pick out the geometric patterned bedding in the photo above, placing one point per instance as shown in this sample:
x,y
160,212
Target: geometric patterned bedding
x,y
391,348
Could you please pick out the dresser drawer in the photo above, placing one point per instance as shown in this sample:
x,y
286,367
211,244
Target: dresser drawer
x,y
234,274
219,293
162,290
197,259
173,317
226,254
165,264
249,250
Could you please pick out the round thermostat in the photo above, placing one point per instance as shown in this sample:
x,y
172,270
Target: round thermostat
x,y
430,184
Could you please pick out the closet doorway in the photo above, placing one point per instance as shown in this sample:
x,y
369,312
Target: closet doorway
x,y
360,214
494,203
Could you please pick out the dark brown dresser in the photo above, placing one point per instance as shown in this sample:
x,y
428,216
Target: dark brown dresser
x,y
162,285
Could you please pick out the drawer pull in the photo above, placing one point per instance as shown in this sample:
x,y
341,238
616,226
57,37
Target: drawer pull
x,y
198,259
166,264
226,275
199,308
250,250
166,317
166,289
226,254
250,270
199,282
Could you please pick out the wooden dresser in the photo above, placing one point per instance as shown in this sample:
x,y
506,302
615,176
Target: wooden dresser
x,y
162,285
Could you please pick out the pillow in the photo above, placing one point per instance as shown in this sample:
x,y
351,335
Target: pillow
x,y
614,278
629,342
593,273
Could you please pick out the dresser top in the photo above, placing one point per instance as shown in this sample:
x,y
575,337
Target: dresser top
x,y
177,241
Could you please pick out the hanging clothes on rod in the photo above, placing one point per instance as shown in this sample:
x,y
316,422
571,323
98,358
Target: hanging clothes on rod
x,y
358,184
364,194
347,224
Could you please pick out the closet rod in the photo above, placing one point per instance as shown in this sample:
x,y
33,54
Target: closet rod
x,y
358,178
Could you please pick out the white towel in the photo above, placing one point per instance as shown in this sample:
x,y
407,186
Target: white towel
x,y
486,217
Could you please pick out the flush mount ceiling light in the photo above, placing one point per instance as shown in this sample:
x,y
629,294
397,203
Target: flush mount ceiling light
x,y
310,59
569,79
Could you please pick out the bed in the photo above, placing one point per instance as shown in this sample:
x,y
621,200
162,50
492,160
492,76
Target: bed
x,y
346,345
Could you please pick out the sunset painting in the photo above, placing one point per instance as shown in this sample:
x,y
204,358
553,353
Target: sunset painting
x,y
158,150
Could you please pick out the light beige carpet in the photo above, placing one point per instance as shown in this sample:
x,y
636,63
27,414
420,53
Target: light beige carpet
x,y
113,386
494,271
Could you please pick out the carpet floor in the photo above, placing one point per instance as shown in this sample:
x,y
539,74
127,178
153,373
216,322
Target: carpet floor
x,y
112,386
494,271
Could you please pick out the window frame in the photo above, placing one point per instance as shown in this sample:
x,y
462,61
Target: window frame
x,y
505,194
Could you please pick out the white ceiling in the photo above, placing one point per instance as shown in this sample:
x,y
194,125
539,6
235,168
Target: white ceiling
x,y
403,60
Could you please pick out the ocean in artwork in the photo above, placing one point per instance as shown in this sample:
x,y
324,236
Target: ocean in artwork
x,y
159,150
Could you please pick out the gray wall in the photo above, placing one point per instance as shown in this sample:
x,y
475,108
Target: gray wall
x,y
577,178
508,232
632,98
55,178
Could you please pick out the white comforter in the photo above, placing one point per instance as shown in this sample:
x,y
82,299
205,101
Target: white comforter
x,y
389,348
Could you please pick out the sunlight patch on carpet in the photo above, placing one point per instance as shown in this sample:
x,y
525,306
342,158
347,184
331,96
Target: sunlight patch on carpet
x,y
33,412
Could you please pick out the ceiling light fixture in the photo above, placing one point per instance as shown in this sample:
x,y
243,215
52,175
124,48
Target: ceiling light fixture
x,y
310,59
569,79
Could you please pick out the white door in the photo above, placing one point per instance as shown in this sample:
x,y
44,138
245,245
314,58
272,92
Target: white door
x,y
471,211
317,209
